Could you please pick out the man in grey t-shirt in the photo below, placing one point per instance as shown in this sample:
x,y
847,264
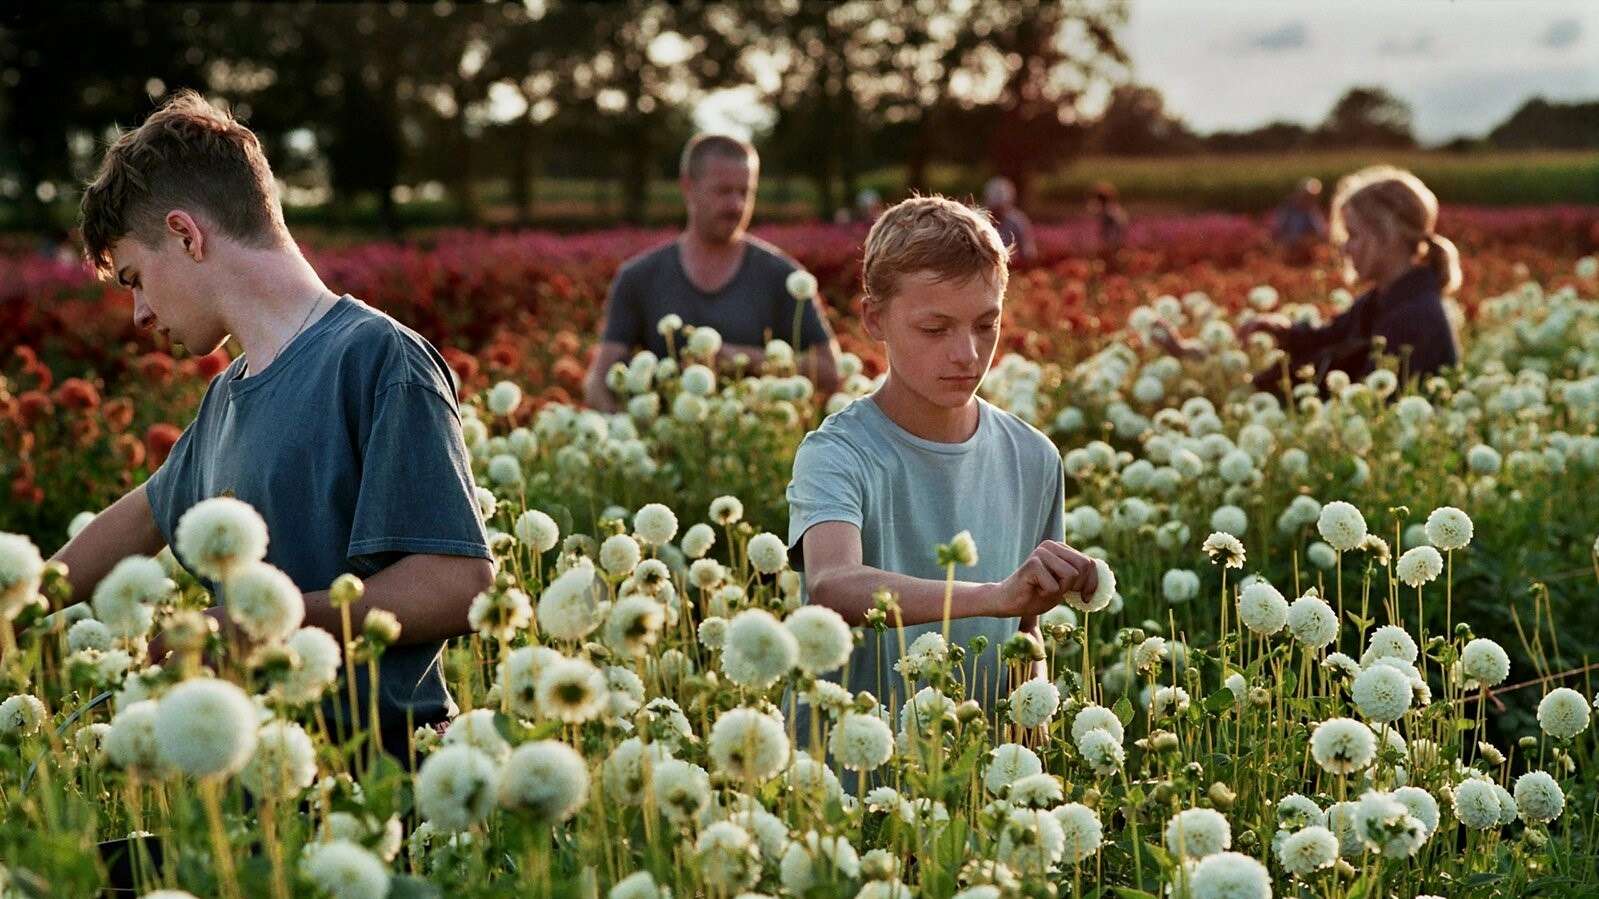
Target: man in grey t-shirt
x,y
714,275
337,424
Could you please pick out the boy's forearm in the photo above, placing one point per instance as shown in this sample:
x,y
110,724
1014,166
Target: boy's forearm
x,y
848,592
124,529
429,599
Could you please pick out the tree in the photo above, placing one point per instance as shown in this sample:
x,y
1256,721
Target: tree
x,y
1539,124
1368,117
1135,123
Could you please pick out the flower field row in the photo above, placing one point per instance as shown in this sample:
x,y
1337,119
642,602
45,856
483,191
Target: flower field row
x,y
1338,647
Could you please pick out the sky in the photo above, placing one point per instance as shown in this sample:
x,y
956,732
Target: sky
x,y
1463,65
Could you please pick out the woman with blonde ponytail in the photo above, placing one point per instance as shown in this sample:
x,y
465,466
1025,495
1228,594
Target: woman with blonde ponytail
x,y
1384,222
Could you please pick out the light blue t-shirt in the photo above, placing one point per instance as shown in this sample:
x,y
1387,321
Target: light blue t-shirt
x,y
1004,484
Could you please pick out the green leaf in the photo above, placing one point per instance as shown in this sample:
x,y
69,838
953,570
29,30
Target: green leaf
x,y
1130,893
1123,710
1464,724
1220,701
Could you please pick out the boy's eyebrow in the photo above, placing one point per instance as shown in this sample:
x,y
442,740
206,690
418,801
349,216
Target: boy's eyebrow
x,y
943,316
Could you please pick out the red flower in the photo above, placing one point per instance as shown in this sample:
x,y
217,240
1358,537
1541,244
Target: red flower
x,y
32,407
25,491
76,393
157,367
118,414
569,373
212,364
131,450
158,441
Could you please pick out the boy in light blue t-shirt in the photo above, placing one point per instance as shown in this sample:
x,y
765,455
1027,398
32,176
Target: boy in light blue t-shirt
x,y
884,481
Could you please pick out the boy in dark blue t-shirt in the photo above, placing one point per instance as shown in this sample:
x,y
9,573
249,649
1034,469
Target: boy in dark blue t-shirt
x,y
338,424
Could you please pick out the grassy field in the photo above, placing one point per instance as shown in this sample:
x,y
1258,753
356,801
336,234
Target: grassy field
x,y
1232,183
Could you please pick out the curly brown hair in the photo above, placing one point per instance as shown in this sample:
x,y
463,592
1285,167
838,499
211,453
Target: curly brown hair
x,y
187,155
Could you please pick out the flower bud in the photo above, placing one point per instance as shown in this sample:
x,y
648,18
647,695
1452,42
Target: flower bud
x,y
346,589
968,711
1221,796
381,628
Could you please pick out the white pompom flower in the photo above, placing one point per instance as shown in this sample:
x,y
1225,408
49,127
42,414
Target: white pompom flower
x,y
822,637
263,602
655,525
503,398
206,727
344,869
125,600
1539,798
1198,832
1082,829
1449,528
1262,608
457,787
320,659
1485,661
757,650
1342,745
537,530
1563,713
619,555
284,762
1306,851
748,745
1311,621
1229,875
1382,693
801,285
546,781
1341,525
861,742
1033,702
768,553
569,608
22,715
1008,763
1477,804
217,535
21,570
1104,590
1418,566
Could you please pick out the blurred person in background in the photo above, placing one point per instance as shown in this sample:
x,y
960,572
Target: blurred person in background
x,y
1015,228
1298,225
1384,225
715,274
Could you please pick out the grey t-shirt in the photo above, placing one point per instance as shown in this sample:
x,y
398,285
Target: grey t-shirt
x,y
752,308
907,495
349,446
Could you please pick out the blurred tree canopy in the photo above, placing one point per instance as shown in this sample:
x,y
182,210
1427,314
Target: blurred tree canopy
x,y
363,98
373,104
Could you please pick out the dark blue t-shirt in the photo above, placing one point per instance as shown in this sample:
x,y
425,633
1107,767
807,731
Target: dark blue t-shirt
x,y
349,446
752,308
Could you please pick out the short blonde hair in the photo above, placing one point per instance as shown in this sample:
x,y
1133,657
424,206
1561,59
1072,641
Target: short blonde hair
x,y
1397,203
932,234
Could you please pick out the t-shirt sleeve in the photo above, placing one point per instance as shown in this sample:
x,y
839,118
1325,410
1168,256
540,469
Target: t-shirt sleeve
x,y
624,317
826,486
1055,518
170,490
416,493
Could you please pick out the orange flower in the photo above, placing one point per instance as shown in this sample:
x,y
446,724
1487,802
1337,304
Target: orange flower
x,y
158,441
85,430
569,373
130,449
24,490
118,414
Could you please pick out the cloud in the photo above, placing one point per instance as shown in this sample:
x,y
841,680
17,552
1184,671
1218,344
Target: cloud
x,y
1560,34
1288,36
1420,45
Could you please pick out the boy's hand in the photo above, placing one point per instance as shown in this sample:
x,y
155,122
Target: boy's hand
x,y
1036,586
1272,323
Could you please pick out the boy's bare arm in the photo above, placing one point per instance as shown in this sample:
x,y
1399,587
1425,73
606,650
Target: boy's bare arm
x,y
126,528
595,392
429,594
839,580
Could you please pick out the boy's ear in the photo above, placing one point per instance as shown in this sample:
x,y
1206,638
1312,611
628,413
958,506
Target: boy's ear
x,y
872,318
